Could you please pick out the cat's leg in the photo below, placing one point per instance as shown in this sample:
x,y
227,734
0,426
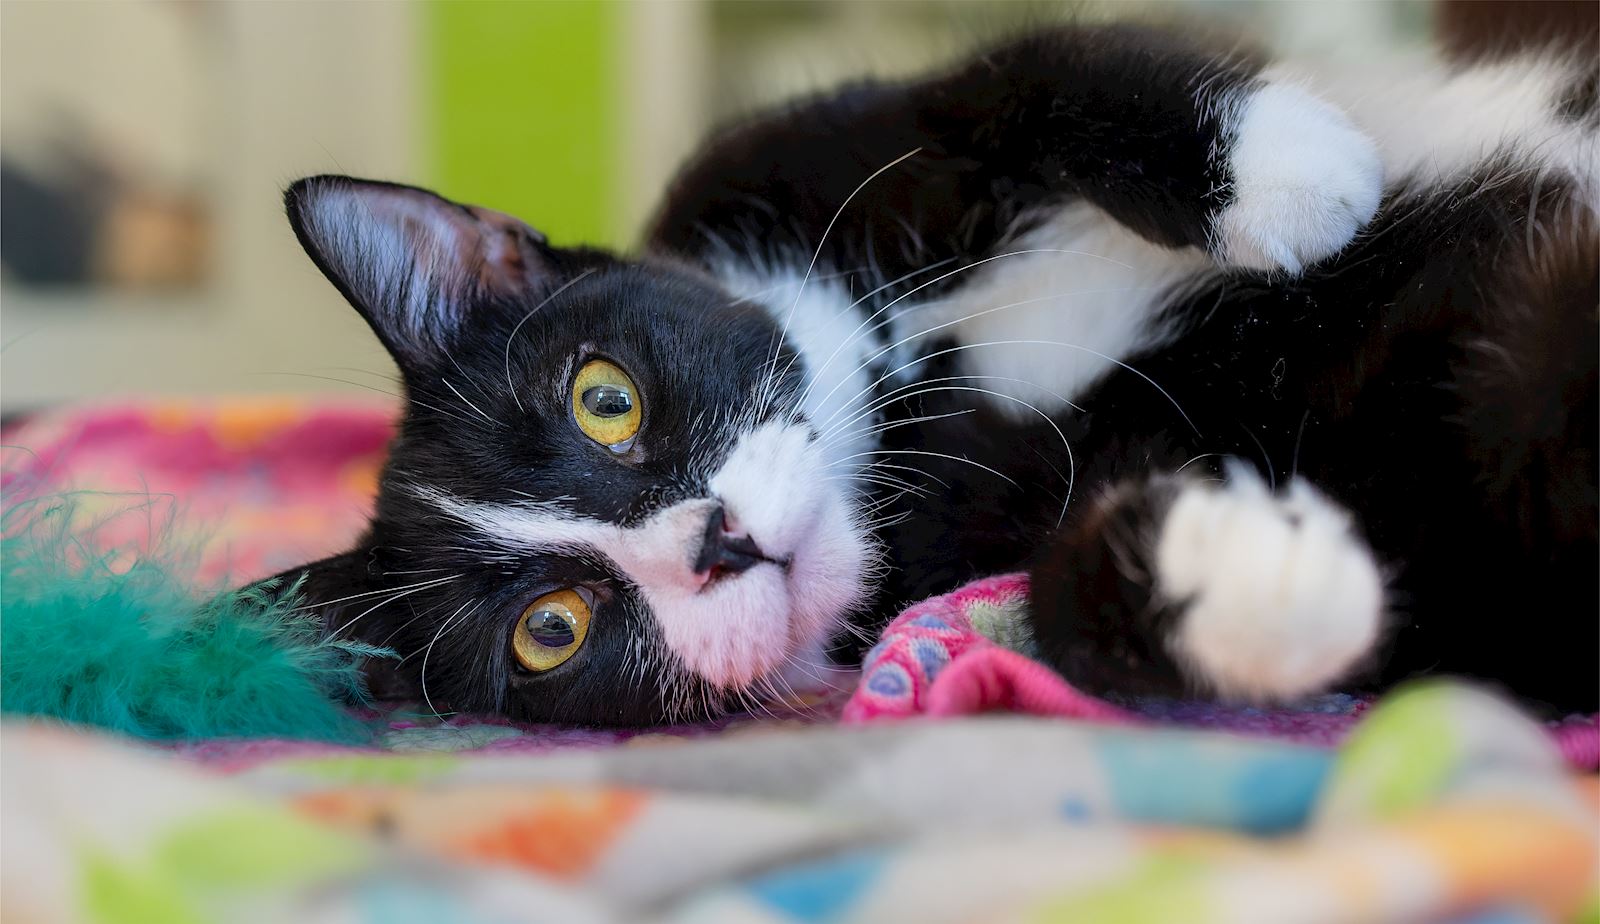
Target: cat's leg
x,y
1185,146
1175,586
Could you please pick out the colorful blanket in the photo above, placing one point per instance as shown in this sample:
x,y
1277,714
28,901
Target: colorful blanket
x,y
1443,805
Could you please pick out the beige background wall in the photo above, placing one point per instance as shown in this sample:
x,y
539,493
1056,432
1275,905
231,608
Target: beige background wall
x,y
296,100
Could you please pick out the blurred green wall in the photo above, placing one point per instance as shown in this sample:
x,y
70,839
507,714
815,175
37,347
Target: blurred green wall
x,y
522,110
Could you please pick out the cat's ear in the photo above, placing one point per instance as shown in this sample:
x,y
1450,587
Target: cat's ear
x,y
412,262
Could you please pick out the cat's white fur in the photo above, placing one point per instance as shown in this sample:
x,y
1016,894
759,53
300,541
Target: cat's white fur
x,y
834,346
1079,293
1305,180
775,486
1279,597
1078,296
1433,123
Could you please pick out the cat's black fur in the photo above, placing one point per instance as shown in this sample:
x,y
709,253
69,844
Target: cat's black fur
x,y
1446,393
1437,377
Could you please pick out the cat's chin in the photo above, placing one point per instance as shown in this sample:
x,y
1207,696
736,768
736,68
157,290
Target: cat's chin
x,y
733,631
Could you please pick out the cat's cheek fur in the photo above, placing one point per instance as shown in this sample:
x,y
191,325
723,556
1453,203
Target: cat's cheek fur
x,y
836,340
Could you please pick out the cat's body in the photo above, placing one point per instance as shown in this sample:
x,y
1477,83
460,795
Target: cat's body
x,y
1017,315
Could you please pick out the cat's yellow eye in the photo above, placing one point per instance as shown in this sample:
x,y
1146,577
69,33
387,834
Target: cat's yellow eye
x,y
605,403
551,630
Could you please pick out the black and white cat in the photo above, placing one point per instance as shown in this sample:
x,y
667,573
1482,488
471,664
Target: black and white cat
x,y
1269,395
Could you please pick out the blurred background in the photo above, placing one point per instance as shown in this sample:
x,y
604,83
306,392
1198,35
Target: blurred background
x,y
144,145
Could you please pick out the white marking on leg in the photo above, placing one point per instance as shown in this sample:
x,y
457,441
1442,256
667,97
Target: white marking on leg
x,y
1305,180
1280,598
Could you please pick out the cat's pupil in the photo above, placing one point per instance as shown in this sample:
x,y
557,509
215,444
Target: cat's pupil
x,y
608,400
550,629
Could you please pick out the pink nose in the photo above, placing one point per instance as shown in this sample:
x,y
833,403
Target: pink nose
x,y
723,552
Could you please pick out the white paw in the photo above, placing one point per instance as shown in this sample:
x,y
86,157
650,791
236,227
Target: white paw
x,y
1305,181
1281,598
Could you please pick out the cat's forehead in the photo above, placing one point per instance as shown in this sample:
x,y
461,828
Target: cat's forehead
x,y
667,329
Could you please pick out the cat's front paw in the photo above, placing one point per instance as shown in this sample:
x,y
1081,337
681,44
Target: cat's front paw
x,y
1304,182
1279,597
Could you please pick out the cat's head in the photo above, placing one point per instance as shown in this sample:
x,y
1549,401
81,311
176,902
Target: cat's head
x,y
602,504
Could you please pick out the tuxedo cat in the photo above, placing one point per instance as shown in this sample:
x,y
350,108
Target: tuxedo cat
x,y
1271,396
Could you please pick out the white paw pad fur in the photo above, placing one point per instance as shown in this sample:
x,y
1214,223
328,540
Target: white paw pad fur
x,y
1305,180
1280,598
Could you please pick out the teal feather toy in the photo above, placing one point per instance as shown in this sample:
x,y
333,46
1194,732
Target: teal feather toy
x,y
137,649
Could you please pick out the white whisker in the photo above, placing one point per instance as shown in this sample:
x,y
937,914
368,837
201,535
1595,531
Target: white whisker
x,y
887,425
1071,464
455,619
511,386
924,452
382,603
822,242
468,403
373,593
1056,343
855,335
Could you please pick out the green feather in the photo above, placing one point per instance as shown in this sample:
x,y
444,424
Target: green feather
x,y
139,650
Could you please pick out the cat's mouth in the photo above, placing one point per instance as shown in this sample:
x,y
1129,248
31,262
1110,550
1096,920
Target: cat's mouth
x,y
718,574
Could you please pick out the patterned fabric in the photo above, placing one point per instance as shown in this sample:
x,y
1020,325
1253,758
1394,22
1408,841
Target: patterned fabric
x,y
959,654
1445,805
408,728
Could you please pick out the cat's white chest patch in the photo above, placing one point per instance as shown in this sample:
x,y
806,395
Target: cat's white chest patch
x,y
1060,307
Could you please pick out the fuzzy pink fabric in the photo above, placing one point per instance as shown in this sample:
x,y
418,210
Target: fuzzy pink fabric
x,y
933,661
